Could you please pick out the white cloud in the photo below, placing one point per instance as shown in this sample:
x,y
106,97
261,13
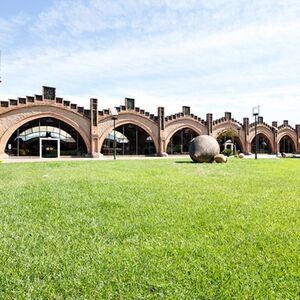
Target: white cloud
x,y
20,19
212,55
6,31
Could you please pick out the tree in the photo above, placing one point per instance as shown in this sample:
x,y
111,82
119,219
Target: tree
x,y
225,135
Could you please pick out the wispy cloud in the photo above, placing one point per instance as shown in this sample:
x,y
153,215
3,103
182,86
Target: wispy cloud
x,y
6,31
213,55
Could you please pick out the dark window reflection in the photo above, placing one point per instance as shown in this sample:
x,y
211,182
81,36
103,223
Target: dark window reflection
x,y
25,141
179,142
263,145
286,145
130,140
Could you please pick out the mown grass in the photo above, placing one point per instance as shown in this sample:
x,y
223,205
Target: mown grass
x,y
150,229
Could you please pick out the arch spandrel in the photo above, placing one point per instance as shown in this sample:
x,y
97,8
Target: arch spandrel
x,y
261,129
105,126
287,132
172,127
217,129
13,119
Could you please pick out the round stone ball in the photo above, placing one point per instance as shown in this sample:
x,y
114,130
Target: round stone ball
x,y
220,158
203,148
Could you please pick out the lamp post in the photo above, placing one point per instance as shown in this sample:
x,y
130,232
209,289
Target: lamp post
x,y
114,117
255,113
237,141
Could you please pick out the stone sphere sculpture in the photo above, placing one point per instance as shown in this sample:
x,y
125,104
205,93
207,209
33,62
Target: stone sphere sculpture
x,y
203,148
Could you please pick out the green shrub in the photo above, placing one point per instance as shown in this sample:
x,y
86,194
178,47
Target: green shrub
x,y
227,152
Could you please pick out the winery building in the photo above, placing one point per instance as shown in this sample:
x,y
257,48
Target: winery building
x,y
45,125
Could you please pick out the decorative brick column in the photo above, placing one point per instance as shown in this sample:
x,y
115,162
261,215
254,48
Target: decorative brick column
x,y
94,138
246,134
227,116
209,123
298,137
161,135
275,129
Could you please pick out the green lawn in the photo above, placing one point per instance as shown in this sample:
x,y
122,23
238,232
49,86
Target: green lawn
x,y
150,229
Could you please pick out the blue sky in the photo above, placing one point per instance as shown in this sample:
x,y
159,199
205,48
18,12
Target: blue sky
x,y
212,55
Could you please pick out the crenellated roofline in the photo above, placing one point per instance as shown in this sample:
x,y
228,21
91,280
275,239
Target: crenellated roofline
x,y
48,97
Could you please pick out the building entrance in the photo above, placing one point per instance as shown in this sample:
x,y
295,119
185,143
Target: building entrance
x,y
49,148
179,142
56,137
130,140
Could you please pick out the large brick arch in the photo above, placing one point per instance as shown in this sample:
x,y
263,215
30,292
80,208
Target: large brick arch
x,y
229,125
172,127
267,132
13,119
105,126
287,131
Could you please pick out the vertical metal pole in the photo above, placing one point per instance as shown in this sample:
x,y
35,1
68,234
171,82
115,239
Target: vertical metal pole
x,y
256,137
40,144
123,145
18,143
77,148
58,143
114,139
58,148
136,141
59,129
181,138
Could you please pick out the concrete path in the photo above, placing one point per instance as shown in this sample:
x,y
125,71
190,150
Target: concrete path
x,y
262,156
106,157
119,157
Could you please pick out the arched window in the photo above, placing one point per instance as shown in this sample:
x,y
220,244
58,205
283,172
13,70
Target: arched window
x,y
179,142
28,138
130,140
230,139
286,145
264,145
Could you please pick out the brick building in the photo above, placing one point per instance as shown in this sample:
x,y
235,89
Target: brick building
x,y
47,125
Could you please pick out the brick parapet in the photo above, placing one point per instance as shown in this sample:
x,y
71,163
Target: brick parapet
x,y
161,126
251,125
285,125
15,104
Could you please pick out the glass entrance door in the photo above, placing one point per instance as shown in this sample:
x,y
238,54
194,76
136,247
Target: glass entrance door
x,y
49,148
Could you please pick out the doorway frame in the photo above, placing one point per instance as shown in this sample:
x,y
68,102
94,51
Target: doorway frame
x,y
49,139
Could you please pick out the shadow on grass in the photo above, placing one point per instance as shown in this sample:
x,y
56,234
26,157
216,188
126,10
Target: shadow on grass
x,y
184,162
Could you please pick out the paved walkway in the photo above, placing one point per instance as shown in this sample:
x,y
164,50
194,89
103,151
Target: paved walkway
x,y
106,157
119,157
264,156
